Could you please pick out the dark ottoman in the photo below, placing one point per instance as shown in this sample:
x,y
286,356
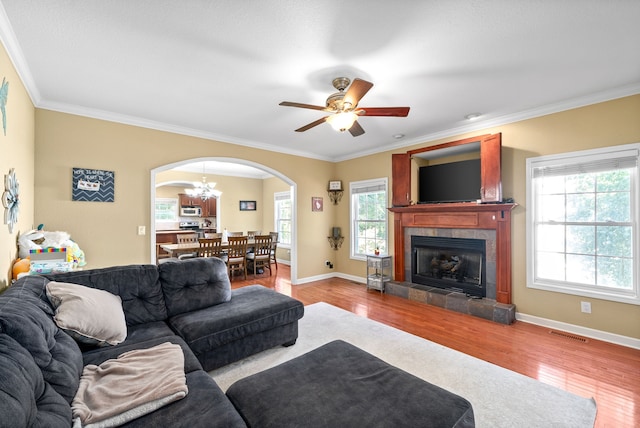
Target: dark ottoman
x,y
340,385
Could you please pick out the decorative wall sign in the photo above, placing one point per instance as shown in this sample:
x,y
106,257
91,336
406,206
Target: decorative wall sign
x,y
93,185
4,93
316,203
10,199
247,205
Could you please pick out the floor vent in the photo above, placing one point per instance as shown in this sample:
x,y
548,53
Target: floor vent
x,y
568,336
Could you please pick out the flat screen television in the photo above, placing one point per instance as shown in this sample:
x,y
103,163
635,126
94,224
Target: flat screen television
x,y
450,182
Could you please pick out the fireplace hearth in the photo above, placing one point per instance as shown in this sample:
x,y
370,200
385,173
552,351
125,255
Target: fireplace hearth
x,y
455,264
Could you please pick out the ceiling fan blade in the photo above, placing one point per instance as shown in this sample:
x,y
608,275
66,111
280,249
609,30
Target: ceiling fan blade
x,y
312,124
300,105
356,91
383,111
356,129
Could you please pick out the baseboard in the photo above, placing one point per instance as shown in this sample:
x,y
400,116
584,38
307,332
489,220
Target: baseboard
x,y
616,339
331,275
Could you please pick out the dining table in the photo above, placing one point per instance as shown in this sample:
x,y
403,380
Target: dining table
x,y
176,250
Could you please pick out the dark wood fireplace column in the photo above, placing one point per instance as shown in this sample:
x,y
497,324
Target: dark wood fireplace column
x,y
459,216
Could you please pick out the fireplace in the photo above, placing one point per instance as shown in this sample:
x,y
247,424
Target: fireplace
x,y
491,222
455,264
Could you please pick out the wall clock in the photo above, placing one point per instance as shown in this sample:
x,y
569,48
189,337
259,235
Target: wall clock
x,y
10,200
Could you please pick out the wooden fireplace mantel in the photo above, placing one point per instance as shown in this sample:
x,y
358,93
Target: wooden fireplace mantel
x,y
460,216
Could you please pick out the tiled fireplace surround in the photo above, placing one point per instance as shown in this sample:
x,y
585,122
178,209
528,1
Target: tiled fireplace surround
x,y
491,223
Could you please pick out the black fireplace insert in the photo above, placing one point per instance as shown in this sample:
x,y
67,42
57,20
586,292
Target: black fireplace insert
x,y
456,264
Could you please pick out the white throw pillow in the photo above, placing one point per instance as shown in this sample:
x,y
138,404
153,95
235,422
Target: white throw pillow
x,y
89,315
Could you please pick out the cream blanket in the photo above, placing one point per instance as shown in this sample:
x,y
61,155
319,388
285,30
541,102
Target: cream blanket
x,y
130,386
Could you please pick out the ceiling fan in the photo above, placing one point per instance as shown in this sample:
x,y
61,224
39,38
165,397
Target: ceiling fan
x,y
344,109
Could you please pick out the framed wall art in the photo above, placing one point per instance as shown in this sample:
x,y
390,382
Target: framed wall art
x,y
316,204
93,185
247,205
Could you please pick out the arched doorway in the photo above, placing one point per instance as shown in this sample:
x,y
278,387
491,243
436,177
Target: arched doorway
x,y
292,186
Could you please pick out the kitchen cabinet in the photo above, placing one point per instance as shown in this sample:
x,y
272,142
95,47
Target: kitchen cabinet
x,y
209,207
189,201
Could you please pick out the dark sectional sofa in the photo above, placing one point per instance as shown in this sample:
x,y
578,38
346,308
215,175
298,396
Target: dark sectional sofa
x,y
189,303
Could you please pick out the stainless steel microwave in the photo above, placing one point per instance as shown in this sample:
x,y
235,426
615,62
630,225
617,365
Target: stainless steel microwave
x,y
191,212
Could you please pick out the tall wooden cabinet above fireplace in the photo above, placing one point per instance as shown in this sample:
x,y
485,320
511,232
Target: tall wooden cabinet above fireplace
x,y
490,149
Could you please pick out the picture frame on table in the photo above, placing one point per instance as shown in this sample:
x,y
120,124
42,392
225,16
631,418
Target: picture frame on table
x,y
316,204
247,205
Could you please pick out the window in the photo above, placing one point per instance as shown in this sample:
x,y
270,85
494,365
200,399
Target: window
x,y
282,216
582,232
368,217
166,209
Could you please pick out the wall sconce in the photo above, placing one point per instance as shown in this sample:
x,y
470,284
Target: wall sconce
x,y
335,191
335,240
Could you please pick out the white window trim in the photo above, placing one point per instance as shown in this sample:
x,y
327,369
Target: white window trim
x,y
276,196
357,185
630,297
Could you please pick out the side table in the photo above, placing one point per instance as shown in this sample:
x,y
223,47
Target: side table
x,y
378,272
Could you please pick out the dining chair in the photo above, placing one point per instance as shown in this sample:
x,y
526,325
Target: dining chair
x,y
236,256
253,233
213,235
210,247
187,238
274,247
261,255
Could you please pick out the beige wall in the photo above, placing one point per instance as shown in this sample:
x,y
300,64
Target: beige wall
x,y
107,232
605,124
16,151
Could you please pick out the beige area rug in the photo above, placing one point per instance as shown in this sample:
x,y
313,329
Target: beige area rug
x,y
500,397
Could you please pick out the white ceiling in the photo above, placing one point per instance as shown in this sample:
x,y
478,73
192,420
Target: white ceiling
x,y
218,69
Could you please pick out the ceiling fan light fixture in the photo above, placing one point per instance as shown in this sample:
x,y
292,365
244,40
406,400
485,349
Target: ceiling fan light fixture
x,y
342,121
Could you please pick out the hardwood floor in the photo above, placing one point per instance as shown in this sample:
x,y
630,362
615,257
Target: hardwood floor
x,y
586,367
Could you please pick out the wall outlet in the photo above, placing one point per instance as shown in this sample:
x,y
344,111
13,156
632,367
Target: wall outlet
x,y
585,307
142,230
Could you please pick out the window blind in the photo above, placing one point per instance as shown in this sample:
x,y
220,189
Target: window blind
x,y
588,164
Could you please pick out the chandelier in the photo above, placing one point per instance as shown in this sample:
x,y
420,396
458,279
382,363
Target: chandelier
x,y
202,190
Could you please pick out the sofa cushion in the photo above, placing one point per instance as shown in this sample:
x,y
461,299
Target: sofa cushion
x,y
99,355
28,320
251,310
205,406
137,285
151,330
89,315
193,284
26,400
